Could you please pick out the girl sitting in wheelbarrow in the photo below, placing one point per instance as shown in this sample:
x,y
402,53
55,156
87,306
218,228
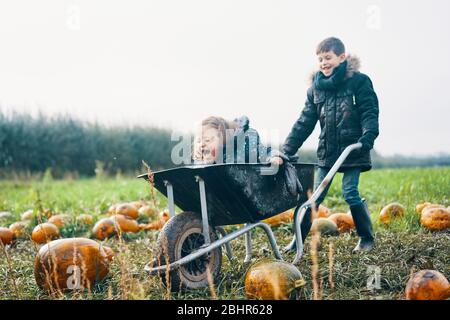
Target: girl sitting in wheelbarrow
x,y
221,141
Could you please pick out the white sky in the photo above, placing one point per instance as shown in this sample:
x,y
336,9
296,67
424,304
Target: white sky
x,y
174,62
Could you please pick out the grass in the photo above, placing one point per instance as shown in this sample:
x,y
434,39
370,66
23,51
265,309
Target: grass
x,y
402,247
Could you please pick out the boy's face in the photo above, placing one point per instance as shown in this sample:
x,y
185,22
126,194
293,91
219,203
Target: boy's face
x,y
207,144
328,61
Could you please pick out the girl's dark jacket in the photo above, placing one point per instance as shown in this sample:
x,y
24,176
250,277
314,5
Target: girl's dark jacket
x,y
346,106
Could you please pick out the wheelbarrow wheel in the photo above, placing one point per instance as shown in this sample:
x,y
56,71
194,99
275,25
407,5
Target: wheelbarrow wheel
x,y
180,236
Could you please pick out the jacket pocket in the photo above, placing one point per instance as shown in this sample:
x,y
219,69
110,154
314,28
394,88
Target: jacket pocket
x,y
348,137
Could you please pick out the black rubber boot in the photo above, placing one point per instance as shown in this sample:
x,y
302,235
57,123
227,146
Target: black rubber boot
x,y
361,217
305,227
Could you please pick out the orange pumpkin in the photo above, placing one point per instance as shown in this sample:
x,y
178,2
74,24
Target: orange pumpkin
x,y
127,209
435,218
272,280
104,228
112,209
427,285
138,204
391,211
60,220
20,229
27,215
279,219
44,232
68,264
164,216
148,211
85,219
6,236
323,212
126,224
421,207
343,221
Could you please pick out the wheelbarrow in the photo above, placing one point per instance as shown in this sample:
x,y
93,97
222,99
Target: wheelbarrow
x,y
189,247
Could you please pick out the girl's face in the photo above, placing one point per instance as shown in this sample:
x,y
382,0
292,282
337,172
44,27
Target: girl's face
x,y
206,144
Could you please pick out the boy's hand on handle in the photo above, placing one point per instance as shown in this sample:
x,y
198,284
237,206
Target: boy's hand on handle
x,y
276,161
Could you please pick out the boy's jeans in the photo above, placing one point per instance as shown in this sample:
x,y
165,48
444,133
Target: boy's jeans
x,y
350,183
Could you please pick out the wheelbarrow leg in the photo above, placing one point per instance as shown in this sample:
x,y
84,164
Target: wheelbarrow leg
x,y
248,246
205,220
170,199
291,246
272,240
228,250
303,229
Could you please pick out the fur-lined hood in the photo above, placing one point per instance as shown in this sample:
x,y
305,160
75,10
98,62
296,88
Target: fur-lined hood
x,y
353,65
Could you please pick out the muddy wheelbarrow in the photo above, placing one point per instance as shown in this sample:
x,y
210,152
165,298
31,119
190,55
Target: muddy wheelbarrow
x,y
188,252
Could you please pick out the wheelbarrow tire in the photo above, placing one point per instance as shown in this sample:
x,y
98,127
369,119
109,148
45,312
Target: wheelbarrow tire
x,y
181,235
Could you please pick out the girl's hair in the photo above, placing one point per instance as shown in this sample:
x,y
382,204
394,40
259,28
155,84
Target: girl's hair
x,y
224,127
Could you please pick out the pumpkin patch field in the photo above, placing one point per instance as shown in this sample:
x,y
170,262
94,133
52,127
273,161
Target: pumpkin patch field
x,y
107,230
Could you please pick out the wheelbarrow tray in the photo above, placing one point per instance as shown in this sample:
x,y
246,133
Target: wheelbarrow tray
x,y
235,193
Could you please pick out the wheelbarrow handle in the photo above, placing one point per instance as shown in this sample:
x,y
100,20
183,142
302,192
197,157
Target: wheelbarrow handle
x,y
316,194
330,175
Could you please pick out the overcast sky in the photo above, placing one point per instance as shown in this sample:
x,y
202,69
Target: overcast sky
x,y
174,62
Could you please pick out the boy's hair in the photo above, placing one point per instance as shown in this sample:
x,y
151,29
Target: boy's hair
x,y
331,44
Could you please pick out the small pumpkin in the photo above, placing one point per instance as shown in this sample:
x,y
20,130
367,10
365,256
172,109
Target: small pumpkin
x,y
112,209
127,209
391,211
27,215
126,224
20,229
428,206
323,212
427,285
138,204
420,206
273,280
85,219
6,236
325,226
343,221
44,232
60,220
148,211
73,263
104,228
279,219
434,218
164,216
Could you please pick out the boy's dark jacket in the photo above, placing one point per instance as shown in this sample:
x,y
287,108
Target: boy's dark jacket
x,y
346,106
